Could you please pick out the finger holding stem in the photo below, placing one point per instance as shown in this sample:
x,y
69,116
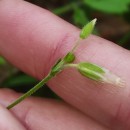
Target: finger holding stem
x,y
86,69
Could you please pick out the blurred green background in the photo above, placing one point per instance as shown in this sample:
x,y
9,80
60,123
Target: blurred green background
x,y
113,24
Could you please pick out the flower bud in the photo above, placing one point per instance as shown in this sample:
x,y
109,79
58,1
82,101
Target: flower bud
x,y
87,29
70,57
98,73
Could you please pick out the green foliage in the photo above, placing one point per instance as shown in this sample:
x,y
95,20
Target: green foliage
x,y
19,80
78,13
81,11
109,6
62,10
2,61
79,16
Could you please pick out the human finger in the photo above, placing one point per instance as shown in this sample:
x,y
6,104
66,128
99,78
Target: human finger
x,y
36,43
8,121
48,114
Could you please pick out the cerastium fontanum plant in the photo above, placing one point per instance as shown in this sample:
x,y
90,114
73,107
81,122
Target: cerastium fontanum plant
x,y
86,69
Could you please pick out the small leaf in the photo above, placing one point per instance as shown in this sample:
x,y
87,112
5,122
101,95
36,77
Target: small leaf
x,y
87,29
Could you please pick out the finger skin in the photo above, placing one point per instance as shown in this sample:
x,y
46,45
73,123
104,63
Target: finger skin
x,y
28,34
32,39
8,121
48,114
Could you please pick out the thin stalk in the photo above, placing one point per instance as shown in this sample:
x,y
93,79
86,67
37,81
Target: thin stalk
x,y
76,45
70,65
31,91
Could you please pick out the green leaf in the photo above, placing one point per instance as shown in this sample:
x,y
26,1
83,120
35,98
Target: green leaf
x,y
109,6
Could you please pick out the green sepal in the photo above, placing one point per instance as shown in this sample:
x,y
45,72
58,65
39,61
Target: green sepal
x,y
57,67
69,58
90,70
87,29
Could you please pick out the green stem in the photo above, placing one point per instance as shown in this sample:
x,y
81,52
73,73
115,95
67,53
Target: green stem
x,y
76,45
70,65
31,91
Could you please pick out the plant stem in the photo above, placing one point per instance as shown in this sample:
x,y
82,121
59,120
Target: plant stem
x,y
31,91
71,65
76,45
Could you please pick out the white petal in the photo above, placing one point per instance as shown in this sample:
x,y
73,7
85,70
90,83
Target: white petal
x,y
111,78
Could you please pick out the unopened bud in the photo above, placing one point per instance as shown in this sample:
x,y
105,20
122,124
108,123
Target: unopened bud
x,y
87,29
70,57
